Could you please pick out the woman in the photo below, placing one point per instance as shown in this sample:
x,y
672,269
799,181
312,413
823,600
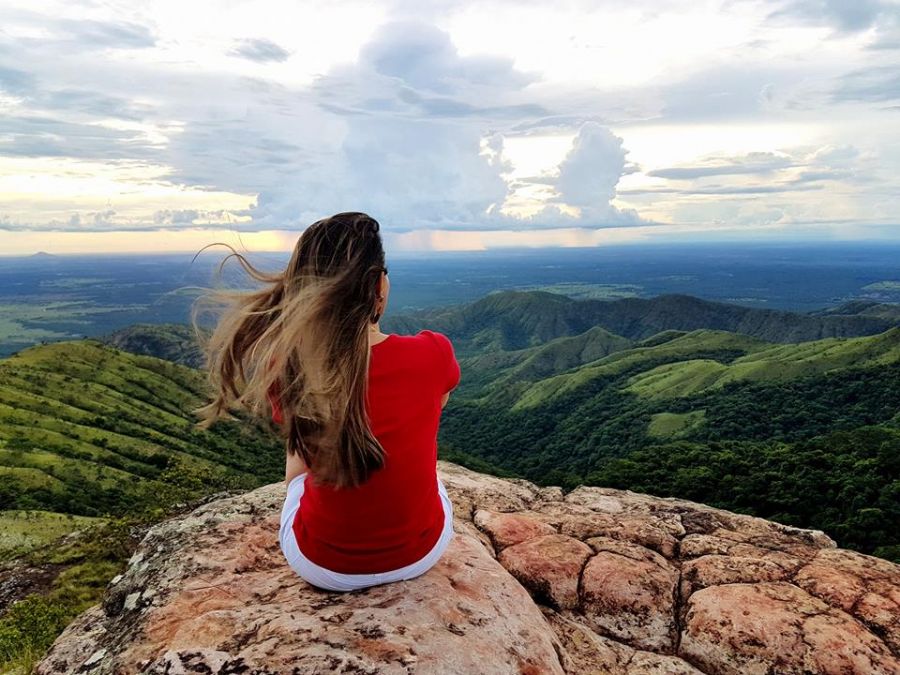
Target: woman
x,y
358,409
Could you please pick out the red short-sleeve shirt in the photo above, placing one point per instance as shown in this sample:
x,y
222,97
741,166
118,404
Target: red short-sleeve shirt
x,y
395,517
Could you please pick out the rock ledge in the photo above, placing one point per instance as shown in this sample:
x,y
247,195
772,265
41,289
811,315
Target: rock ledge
x,y
595,581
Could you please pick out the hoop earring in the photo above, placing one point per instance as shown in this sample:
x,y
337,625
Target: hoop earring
x,y
375,317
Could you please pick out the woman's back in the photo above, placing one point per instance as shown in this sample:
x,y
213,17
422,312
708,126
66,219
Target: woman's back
x,y
364,503
396,516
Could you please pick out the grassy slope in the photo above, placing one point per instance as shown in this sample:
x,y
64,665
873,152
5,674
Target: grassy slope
x,y
23,531
611,405
89,430
776,363
103,443
682,348
668,425
498,370
704,397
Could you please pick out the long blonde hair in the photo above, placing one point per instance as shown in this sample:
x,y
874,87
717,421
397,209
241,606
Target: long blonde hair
x,y
303,336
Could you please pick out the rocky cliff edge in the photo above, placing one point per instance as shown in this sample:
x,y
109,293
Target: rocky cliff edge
x,y
536,581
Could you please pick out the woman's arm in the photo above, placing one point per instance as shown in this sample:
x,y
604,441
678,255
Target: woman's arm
x,y
294,466
445,399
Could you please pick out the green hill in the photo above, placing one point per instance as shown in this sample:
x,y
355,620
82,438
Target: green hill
x,y
776,363
169,341
513,320
566,353
712,348
504,368
709,390
89,430
96,445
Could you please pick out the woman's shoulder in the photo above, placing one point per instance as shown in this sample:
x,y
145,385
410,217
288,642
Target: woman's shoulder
x,y
433,336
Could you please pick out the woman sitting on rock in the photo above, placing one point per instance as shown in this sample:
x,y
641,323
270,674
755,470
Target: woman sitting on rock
x,y
358,409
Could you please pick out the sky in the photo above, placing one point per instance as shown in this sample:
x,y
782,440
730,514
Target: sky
x,y
165,126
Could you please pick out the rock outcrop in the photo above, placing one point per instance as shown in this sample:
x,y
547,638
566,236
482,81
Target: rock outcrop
x,y
535,581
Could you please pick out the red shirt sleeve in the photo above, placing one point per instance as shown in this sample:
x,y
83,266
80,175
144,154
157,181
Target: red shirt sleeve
x,y
449,365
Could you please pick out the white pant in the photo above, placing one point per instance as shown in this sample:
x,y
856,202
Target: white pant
x,y
337,581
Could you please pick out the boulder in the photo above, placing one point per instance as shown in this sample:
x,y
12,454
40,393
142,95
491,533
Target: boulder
x,y
535,581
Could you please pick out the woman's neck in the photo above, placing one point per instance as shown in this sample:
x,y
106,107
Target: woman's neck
x,y
376,336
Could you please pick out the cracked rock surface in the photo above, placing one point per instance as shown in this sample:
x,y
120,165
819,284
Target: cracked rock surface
x,y
594,581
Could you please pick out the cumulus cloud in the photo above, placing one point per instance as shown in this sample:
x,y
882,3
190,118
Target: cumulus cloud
x,y
180,217
408,173
586,181
412,69
592,168
424,57
176,217
414,150
418,151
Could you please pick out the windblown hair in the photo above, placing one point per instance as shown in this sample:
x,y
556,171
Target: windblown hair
x,y
303,337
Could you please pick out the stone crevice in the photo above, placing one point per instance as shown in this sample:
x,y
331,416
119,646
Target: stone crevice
x,y
677,608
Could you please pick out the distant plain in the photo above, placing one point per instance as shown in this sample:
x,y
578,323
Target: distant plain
x,y
50,298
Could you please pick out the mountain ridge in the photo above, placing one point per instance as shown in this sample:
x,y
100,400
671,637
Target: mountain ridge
x,y
511,321
520,319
